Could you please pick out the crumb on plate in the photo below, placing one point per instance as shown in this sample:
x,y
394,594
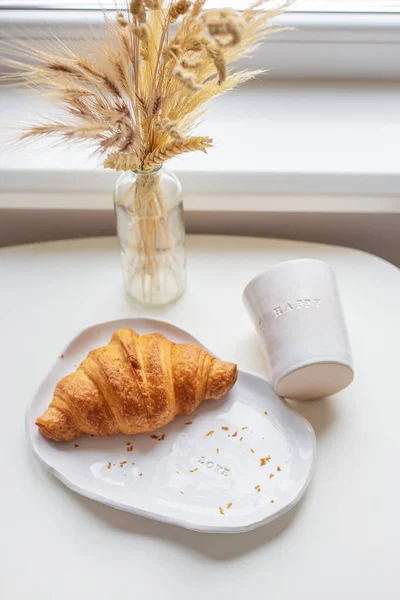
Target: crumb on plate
x,y
122,463
225,428
189,423
154,437
129,449
217,451
177,472
243,428
234,434
140,474
209,433
271,475
257,487
264,461
182,493
76,445
278,468
221,510
61,356
229,505
241,439
272,501
251,450
193,470
265,412
109,466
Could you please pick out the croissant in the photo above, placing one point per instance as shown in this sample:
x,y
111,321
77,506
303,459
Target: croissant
x,y
135,384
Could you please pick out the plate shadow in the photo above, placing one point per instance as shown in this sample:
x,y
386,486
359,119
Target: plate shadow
x,y
216,546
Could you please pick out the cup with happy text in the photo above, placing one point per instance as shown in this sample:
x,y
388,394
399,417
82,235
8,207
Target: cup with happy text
x,y
296,310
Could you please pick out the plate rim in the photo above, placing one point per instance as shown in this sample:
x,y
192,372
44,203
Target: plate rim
x,y
184,523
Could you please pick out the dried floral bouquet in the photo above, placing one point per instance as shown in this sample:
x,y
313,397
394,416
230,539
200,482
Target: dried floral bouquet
x,y
138,92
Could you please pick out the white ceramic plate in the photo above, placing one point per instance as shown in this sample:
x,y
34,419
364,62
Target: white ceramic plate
x,y
213,483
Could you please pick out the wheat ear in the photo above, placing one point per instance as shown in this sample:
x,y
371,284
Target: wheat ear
x,y
160,155
122,161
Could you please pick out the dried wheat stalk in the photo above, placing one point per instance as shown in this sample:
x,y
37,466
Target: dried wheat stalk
x,y
118,89
138,92
171,149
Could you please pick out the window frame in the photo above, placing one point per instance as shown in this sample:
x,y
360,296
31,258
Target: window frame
x,y
321,45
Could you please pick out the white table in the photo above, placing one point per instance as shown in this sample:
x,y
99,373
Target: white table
x,y
341,541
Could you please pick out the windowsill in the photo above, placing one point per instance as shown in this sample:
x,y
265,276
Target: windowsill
x,y
327,147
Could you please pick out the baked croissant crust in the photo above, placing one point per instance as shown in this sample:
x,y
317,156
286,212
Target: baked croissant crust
x,y
135,384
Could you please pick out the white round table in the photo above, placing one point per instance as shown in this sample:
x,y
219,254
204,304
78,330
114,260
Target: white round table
x,y
341,541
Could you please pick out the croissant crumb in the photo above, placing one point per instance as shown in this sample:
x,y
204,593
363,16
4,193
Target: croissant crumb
x,y
229,505
264,461
221,510
135,384
209,433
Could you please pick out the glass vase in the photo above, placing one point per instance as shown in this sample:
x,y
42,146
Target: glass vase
x,y
151,231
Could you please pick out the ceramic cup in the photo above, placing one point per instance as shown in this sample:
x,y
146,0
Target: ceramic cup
x,y
296,309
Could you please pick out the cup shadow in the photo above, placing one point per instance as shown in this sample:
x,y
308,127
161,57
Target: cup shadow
x,y
321,413
216,546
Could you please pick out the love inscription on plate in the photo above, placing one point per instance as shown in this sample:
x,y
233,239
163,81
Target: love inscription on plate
x,y
214,466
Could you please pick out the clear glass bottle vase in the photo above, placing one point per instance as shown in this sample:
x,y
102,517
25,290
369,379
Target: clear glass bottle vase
x,y
151,231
